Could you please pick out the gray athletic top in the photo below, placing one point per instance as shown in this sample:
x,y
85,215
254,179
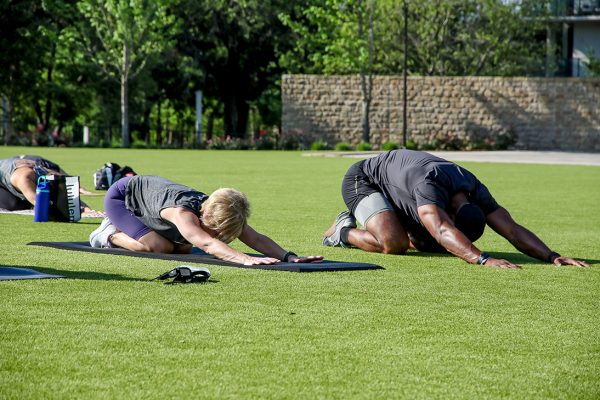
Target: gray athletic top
x,y
410,179
147,196
9,165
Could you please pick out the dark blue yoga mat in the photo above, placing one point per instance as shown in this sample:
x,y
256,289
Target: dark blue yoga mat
x,y
200,257
12,273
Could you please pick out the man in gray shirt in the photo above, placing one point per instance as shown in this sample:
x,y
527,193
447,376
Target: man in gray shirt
x,y
409,199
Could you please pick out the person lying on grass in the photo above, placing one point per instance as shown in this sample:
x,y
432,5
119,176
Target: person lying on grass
x,y
18,182
154,214
409,199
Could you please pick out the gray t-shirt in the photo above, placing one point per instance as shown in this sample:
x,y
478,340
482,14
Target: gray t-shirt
x,y
147,196
410,179
9,165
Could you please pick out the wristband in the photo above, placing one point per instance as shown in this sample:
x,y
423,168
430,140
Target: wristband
x,y
287,255
552,256
483,257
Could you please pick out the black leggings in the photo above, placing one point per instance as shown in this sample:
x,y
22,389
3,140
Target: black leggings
x,y
9,201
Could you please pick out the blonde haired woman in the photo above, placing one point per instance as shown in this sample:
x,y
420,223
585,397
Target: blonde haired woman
x,y
154,214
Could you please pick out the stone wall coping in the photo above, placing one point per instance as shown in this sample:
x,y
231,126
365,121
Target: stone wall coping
x,y
508,156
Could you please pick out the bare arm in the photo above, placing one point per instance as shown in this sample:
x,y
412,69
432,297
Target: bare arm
x,y
267,246
526,241
440,226
23,179
189,226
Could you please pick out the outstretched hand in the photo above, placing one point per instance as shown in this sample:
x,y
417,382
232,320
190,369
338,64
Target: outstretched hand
x,y
501,263
306,259
260,260
558,261
88,212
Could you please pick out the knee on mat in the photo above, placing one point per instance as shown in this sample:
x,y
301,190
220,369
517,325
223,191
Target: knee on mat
x,y
157,248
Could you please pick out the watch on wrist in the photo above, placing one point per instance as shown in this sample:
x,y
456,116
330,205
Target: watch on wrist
x,y
552,256
287,256
483,257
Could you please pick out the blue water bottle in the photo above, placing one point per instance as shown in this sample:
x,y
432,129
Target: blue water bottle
x,y
42,200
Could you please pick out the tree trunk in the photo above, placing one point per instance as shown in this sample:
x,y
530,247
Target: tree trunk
x,y
6,117
210,120
243,110
364,121
168,128
255,125
145,128
366,73
230,116
159,139
125,99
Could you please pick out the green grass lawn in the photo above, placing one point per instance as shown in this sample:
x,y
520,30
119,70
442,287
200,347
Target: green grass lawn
x,y
425,327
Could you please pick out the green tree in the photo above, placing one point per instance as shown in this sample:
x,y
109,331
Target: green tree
x,y
458,37
120,37
235,43
336,37
36,71
465,37
21,54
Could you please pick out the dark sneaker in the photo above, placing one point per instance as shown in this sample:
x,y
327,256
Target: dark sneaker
x,y
100,237
332,237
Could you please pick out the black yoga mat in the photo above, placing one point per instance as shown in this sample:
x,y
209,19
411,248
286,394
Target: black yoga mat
x,y
11,273
200,257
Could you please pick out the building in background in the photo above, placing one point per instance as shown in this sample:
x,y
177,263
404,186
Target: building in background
x,y
573,37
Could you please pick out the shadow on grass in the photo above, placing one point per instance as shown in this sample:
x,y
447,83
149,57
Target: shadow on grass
x,y
87,275
96,276
514,257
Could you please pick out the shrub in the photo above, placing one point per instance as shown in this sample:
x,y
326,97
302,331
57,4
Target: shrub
x,y
319,145
387,146
139,144
289,143
264,143
364,147
342,146
411,144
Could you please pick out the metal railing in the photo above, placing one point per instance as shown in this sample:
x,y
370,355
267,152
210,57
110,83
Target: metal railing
x,y
571,8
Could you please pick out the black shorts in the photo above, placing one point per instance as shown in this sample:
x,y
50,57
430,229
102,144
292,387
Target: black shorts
x,y
363,199
9,201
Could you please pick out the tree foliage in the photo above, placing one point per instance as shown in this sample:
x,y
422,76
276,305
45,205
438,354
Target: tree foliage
x,y
328,37
236,43
124,34
336,37
458,37
65,61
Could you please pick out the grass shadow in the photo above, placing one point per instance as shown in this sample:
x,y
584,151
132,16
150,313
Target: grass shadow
x,y
101,276
86,275
514,257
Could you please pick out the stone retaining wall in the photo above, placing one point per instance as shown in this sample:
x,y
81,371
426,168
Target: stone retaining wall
x,y
536,113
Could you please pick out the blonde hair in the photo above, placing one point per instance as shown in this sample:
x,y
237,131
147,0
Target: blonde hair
x,y
226,211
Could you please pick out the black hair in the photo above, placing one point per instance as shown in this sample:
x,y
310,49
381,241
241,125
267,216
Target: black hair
x,y
470,220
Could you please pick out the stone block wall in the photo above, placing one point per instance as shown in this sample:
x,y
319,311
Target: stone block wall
x,y
539,113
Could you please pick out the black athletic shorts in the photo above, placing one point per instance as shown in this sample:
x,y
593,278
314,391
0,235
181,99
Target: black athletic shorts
x,y
9,201
363,199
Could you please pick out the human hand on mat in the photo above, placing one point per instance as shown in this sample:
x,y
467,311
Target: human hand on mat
x,y
305,259
89,213
259,260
